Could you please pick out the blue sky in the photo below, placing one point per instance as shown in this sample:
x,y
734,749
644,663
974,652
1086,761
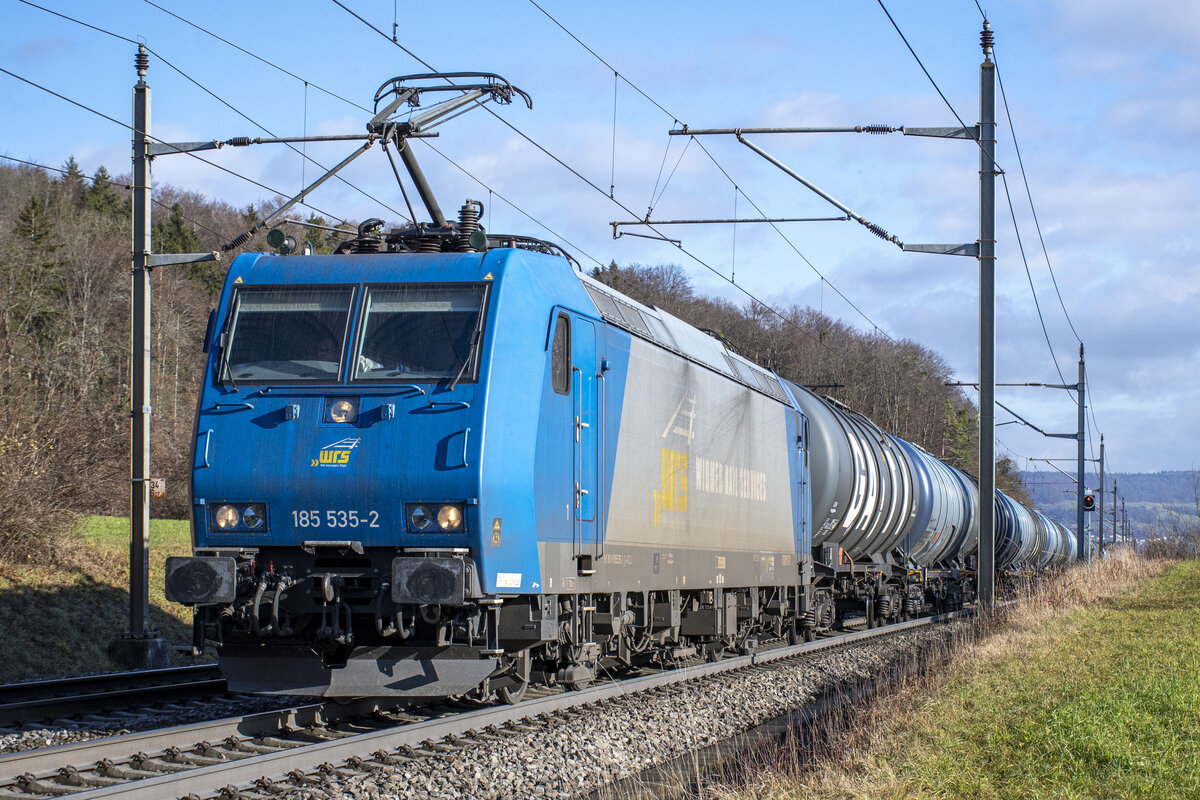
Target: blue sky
x,y
1103,97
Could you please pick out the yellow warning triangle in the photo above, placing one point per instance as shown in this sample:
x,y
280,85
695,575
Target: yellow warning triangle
x,y
488,277
238,279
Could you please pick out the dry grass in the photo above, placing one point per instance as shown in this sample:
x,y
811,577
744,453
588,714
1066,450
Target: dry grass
x,y
1054,697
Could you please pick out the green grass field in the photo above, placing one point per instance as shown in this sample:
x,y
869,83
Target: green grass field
x,y
1098,701
60,620
1107,706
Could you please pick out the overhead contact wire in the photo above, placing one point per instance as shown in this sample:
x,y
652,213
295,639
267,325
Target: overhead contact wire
x,y
152,138
570,169
656,194
219,99
249,53
1029,194
1037,306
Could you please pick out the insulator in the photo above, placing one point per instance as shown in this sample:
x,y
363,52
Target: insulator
x,y
239,141
877,129
426,244
878,231
239,241
468,223
986,38
365,244
141,61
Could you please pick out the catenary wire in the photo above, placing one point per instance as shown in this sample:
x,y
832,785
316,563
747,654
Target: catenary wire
x,y
129,128
253,55
654,199
265,129
575,172
212,94
1029,195
1037,306
513,205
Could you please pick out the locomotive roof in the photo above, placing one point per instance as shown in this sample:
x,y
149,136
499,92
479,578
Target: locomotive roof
x,y
672,333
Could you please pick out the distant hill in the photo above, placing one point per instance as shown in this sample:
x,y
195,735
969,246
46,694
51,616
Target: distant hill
x,y
1150,497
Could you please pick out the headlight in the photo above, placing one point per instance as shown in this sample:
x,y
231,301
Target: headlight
x,y
342,411
419,517
252,516
422,516
226,517
450,518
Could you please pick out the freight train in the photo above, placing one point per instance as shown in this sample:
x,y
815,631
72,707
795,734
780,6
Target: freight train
x,y
425,474
445,462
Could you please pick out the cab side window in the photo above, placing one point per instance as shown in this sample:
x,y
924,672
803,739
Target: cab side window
x,y
560,356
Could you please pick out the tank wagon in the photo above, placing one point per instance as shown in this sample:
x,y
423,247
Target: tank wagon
x,y
445,462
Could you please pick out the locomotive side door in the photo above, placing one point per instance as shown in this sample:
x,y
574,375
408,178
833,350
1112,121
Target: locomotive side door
x,y
585,392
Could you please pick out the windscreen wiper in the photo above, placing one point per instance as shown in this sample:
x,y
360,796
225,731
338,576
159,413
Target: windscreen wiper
x,y
475,337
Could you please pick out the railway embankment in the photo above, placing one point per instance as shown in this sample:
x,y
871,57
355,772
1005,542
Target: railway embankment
x,y
1088,687
59,619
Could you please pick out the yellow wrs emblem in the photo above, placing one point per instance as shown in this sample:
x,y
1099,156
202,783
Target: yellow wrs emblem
x,y
673,493
336,454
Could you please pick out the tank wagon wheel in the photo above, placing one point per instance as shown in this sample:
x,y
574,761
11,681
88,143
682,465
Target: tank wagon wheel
x,y
793,631
575,686
519,672
715,650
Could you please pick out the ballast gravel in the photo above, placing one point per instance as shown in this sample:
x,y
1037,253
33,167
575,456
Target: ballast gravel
x,y
573,754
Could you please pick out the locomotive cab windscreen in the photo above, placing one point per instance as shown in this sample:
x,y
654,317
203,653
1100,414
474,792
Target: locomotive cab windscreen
x,y
411,333
420,332
287,334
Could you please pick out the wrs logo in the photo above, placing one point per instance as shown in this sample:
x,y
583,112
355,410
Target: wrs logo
x,y
336,454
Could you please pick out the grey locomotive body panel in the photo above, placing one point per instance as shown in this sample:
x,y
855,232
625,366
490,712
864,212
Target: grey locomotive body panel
x,y
703,486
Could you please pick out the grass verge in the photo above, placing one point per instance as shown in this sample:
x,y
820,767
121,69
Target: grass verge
x,y
58,620
1090,687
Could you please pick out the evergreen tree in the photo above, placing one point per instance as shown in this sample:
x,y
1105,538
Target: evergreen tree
x,y
36,281
174,234
74,183
33,226
102,196
1009,481
957,446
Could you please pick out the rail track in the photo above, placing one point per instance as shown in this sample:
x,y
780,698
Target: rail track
x,y
271,753
32,701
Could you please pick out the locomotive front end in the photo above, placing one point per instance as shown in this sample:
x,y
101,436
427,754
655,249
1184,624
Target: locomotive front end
x,y
335,502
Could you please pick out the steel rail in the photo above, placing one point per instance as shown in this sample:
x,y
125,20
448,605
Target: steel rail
x,y
80,755
209,780
36,700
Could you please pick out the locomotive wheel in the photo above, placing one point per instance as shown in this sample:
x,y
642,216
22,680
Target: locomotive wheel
x,y
793,634
511,695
